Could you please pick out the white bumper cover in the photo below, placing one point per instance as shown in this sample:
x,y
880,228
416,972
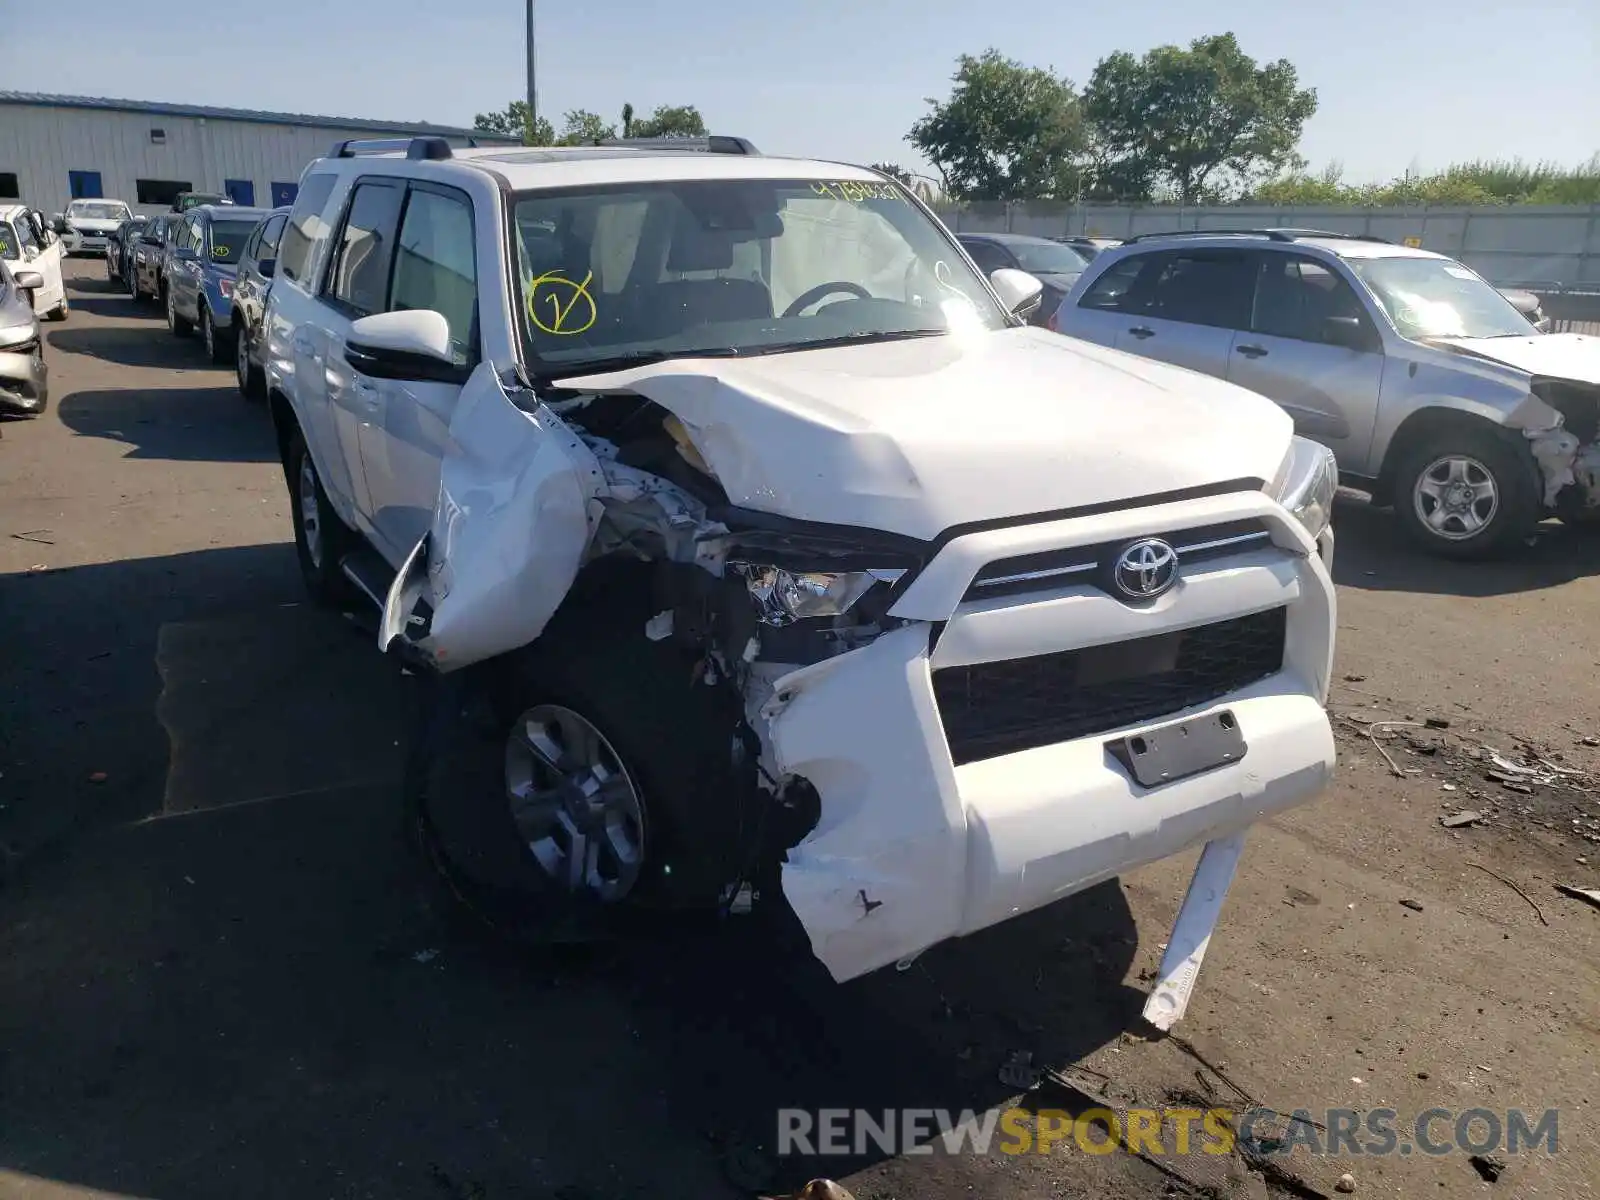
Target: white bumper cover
x,y
912,849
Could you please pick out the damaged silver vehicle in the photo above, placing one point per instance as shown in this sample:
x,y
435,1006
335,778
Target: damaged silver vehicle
x,y
759,553
1426,382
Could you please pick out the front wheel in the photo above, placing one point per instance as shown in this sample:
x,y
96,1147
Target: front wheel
x,y
1468,491
60,312
251,384
582,785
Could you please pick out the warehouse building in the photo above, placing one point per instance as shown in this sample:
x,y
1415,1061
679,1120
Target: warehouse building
x,y
59,148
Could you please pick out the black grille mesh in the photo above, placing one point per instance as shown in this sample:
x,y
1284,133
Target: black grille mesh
x,y
990,709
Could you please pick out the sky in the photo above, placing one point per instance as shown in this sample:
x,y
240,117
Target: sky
x,y
1402,84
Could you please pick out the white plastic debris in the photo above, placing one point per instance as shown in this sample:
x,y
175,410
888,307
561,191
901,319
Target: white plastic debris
x,y
1191,932
659,627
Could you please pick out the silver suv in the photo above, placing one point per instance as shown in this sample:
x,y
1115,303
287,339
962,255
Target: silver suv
x,y
1428,385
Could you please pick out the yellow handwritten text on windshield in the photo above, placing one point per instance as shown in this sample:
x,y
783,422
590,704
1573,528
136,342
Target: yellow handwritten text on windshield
x,y
858,191
561,306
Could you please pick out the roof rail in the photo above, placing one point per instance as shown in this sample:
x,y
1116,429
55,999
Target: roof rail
x,y
414,147
715,143
1276,235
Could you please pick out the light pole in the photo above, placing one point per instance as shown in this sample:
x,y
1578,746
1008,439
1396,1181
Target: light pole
x,y
533,90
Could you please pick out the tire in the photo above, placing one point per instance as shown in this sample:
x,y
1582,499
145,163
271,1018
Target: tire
x,y
132,280
1442,469
218,348
321,539
177,326
252,384
669,742
1574,512
60,312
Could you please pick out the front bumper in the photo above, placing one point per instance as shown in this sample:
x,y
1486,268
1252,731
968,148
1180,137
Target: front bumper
x,y
24,383
76,242
913,849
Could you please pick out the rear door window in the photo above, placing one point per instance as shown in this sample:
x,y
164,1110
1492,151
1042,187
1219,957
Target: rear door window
x,y
1206,287
304,228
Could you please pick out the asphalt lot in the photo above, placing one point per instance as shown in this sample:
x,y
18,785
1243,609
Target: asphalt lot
x,y
225,975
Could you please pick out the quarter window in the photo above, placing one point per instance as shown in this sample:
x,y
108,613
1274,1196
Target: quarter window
x,y
304,228
435,265
1113,290
359,277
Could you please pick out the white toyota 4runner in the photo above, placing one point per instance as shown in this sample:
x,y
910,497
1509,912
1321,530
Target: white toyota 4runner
x,y
774,552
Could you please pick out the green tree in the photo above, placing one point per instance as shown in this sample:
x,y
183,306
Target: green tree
x,y
627,120
512,121
1007,132
580,127
1207,121
668,120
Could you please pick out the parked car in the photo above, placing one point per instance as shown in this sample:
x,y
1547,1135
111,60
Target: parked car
x,y
187,200
149,257
86,224
1089,247
250,287
119,246
752,543
1530,306
27,244
200,269
24,379
1054,265
1431,389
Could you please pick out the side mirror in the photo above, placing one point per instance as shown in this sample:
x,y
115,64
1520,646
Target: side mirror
x,y
1017,289
58,223
29,281
1348,332
410,345
267,267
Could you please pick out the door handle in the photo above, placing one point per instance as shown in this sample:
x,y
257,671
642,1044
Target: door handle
x,y
1141,332
1251,351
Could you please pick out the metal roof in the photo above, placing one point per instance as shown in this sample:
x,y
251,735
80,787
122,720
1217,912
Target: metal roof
x,y
251,115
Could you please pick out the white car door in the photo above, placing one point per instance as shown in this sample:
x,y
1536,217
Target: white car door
x,y
40,252
435,269
356,286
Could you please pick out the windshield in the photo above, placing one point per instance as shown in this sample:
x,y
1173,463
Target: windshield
x,y
228,239
10,244
1047,258
1435,297
734,266
98,210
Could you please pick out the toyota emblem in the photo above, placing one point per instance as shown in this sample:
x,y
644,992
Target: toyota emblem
x,y
1145,569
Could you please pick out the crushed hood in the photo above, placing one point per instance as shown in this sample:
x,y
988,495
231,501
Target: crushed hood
x,y
915,436
1573,356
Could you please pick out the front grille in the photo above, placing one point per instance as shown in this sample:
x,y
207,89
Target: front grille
x,y
990,709
1092,564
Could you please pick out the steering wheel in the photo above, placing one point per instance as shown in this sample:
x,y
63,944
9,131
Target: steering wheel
x,y
811,295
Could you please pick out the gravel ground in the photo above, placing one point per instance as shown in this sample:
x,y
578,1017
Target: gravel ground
x,y
226,977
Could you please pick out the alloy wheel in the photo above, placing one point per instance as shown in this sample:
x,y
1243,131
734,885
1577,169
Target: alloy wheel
x,y
1456,497
310,512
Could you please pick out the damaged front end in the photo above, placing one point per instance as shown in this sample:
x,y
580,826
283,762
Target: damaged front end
x,y
1566,444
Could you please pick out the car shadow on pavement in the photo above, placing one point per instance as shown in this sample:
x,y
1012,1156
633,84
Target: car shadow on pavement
x,y
227,974
129,346
1374,554
116,303
186,424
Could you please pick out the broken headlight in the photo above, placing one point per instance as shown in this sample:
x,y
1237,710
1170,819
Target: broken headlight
x,y
1306,483
782,596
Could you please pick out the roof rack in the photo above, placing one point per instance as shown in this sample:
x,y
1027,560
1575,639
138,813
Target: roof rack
x,y
1276,235
416,148
715,143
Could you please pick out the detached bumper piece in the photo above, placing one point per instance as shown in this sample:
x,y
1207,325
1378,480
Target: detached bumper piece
x,y
24,383
991,709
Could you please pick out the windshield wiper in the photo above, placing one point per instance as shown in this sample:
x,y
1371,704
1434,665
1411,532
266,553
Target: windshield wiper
x,y
635,358
846,339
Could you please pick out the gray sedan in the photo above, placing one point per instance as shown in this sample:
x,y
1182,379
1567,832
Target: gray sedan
x,y
24,379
